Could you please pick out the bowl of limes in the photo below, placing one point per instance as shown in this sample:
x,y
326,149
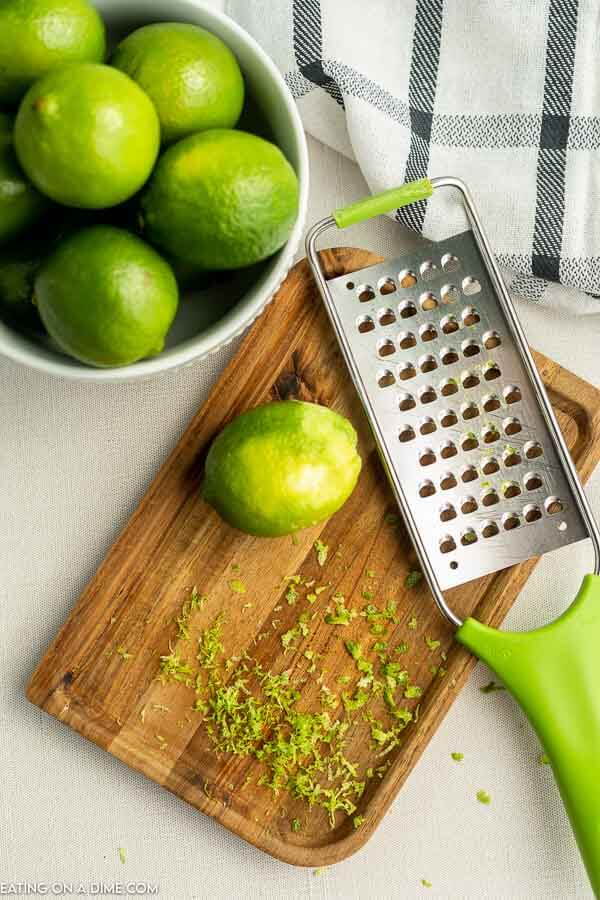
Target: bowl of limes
x,y
153,184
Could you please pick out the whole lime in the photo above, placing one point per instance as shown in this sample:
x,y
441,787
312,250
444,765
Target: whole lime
x,y
87,136
19,264
190,75
38,35
281,467
20,204
106,297
221,199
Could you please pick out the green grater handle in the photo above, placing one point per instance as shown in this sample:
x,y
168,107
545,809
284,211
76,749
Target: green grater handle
x,y
383,203
554,674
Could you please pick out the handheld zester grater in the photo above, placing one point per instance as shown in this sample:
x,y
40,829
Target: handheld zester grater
x,y
478,466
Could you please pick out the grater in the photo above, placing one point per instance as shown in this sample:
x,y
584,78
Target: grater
x,y
478,466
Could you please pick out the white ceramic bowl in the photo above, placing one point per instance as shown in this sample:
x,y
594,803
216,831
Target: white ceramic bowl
x,y
210,320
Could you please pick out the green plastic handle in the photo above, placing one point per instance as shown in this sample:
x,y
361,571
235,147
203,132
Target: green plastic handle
x,y
383,203
554,674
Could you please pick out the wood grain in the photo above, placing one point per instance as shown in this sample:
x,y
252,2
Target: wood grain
x,y
174,541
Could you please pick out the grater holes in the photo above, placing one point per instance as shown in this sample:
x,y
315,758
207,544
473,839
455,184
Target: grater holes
x,y
512,426
428,270
469,411
407,309
469,473
490,434
448,450
447,544
489,497
386,316
449,294
406,402
510,521
447,481
427,332
533,450
428,394
470,379
426,488
406,434
469,441
450,263
489,529
553,505
468,505
427,363
449,324
428,301
448,418
510,489
427,457
470,316
427,425
491,402
491,371
386,347
468,537
365,293
532,513
406,340
491,340
448,355
386,285
490,466
447,513
532,481
406,371
512,394
470,285
449,387
406,278
511,457
470,348
365,324
385,378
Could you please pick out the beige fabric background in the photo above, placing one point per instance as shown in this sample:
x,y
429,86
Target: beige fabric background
x,y
74,461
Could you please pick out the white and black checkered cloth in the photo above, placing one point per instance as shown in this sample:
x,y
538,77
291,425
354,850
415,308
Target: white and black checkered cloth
x,y
502,93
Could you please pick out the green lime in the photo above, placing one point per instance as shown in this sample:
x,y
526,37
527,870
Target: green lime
x,y
221,199
20,204
38,35
19,265
190,75
87,136
106,297
282,467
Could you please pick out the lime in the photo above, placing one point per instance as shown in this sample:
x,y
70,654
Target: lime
x,y
19,264
221,199
106,297
37,35
87,136
190,75
20,204
281,467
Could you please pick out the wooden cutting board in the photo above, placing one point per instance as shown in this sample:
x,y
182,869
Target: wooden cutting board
x,y
99,675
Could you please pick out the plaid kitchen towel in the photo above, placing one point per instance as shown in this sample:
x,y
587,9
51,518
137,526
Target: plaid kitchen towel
x,y
502,93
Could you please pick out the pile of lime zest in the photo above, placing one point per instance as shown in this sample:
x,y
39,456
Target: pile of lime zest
x,y
328,698
484,797
295,825
291,595
344,679
457,757
364,666
122,854
356,701
438,671
425,883
210,646
490,687
386,739
402,647
412,623
312,657
379,619
412,691
414,577
322,551
237,586
195,602
300,630
357,821
380,648
366,594
123,653
544,759
174,668
431,643
341,614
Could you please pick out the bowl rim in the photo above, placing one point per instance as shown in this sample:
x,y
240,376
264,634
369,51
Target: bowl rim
x,y
224,331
